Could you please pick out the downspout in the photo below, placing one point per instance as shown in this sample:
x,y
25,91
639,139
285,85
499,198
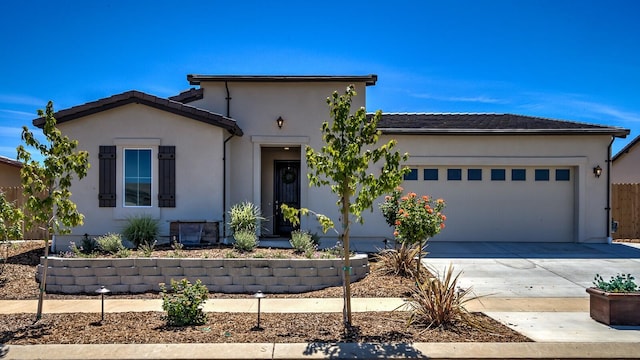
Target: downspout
x,y
608,208
224,168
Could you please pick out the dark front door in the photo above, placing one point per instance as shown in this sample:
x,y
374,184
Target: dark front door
x,y
286,190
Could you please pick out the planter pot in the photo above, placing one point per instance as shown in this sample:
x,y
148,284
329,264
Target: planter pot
x,y
614,308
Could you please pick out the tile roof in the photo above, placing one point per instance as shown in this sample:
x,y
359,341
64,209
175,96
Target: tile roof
x,y
627,148
139,97
11,162
188,96
410,123
195,79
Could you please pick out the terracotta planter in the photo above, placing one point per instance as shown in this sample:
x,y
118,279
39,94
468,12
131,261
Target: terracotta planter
x,y
614,308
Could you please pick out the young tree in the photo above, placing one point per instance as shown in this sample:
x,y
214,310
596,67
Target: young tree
x,y
346,163
47,184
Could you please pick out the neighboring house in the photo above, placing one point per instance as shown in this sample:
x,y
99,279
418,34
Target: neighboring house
x,y
241,138
625,165
10,172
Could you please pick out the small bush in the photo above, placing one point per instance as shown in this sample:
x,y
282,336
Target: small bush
x,y
246,240
141,229
618,284
184,304
302,241
147,249
439,302
400,262
110,243
245,217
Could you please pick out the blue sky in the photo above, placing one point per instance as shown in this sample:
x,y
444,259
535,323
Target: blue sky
x,y
570,60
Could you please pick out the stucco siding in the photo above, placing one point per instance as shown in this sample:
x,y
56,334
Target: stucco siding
x,y
198,165
626,168
9,175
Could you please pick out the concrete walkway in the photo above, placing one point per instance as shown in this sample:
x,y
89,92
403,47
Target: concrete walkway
x,y
536,289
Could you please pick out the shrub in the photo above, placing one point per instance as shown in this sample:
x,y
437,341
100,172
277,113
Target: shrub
x,y
142,229
439,302
184,304
246,240
618,284
302,241
110,243
399,262
147,248
245,217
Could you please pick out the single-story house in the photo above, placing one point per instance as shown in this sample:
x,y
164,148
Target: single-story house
x,y
625,165
10,172
241,138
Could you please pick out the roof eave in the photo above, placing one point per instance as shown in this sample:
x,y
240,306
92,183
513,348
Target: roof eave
x,y
617,132
196,79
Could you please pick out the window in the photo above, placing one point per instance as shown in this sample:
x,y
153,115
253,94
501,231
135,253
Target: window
x,y
497,175
412,175
454,174
562,175
474,174
431,174
137,177
518,175
542,174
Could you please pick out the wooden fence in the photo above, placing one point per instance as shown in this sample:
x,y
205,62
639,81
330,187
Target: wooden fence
x,y
15,194
625,206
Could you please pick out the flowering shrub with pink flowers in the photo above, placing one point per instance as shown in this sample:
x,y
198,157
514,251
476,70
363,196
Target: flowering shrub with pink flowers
x,y
415,218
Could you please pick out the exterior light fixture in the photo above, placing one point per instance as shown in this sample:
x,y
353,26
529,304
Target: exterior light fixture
x,y
597,171
280,122
103,290
259,295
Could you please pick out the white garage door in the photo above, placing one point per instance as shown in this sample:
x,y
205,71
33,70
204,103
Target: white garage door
x,y
525,204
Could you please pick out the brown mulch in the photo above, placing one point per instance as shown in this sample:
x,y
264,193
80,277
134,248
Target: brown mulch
x,y
17,281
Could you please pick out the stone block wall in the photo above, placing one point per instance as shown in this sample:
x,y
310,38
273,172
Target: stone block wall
x,y
136,275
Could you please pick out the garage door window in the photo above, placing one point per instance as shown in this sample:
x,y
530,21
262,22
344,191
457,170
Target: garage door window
x,y
542,174
474,174
497,175
562,175
454,174
518,175
431,174
412,175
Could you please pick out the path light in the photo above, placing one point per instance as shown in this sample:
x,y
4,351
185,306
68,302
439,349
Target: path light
x,y
259,295
103,290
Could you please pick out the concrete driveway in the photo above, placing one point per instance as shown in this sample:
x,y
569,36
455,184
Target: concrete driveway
x,y
510,269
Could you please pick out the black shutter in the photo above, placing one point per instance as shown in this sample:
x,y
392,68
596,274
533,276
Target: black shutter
x,y
167,176
107,181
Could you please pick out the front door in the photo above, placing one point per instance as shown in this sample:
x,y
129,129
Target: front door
x,y
286,191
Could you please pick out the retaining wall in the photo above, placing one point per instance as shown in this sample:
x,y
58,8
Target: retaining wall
x,y
137,275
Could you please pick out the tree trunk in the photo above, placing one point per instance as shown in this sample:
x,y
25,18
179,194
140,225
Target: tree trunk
x,y
347,260
43,280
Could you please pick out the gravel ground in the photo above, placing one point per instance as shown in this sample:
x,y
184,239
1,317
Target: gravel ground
x,y
17,281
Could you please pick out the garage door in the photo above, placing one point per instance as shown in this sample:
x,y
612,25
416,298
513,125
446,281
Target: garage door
x,y
525,204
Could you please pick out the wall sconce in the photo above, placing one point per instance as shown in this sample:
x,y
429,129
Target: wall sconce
x,y
597,171
280,122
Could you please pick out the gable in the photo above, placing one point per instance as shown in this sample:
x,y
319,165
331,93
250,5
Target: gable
x,y
137,97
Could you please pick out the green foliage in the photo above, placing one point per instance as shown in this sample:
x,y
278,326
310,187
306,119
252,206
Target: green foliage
x,y
184,303
245,217
618,284
141,229
147,248
81,251
399,262
301,241
11,219
245,240
47,184
123,253
439,302
390,206
88,245
110,243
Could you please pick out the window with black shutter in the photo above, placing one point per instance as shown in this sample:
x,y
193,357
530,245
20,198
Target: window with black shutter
x,y
167,176
107,181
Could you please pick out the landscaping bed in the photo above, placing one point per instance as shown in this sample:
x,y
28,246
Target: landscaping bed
x,y
17,281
